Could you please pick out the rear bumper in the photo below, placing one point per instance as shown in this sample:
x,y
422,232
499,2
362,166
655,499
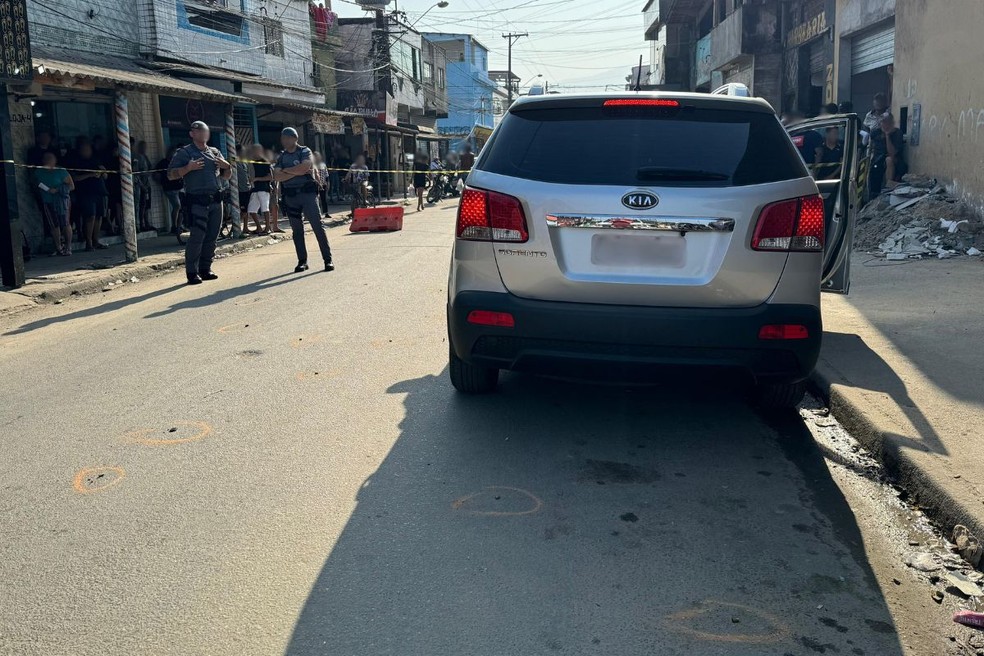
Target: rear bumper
x,y
588,340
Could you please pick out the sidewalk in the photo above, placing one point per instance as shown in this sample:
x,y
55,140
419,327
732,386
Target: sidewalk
x,y
52,278
903,363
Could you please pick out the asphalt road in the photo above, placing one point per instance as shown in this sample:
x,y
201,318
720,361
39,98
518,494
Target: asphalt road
x,y
287,470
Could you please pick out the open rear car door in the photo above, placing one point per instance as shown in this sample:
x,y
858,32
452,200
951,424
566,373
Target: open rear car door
x,y
835,168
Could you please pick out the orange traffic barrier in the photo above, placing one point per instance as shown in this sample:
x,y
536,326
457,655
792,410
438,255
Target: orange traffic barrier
x,y
377,219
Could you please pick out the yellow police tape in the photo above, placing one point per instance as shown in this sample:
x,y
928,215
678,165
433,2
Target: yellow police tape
x,y
245,161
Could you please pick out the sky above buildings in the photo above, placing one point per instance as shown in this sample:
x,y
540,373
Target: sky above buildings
x,y
573,44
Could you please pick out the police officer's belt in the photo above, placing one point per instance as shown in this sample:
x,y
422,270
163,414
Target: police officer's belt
x,y
203,199
306,188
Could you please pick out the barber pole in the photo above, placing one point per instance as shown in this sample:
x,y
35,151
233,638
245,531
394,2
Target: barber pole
x,y
230,130
126,177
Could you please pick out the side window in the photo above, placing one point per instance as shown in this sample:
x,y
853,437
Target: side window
x,y
822,149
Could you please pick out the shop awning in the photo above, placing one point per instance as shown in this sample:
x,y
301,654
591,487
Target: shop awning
x,y
126,74
313,109
263,90
322,119
376,124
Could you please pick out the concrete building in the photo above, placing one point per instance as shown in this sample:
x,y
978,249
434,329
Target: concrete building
x,y
808,55
864,51
503,78
260,49
937,93
398,82
471,91
702,44
90,69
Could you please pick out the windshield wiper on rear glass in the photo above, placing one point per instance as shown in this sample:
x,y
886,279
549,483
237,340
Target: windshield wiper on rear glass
x,y
678,175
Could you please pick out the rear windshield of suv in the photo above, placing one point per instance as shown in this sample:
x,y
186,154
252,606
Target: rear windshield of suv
x,y
600,146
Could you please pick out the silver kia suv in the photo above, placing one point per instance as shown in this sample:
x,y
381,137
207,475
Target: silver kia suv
x,y
633,235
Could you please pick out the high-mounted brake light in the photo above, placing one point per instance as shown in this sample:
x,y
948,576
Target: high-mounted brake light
x,y
641,102
791,225
490,216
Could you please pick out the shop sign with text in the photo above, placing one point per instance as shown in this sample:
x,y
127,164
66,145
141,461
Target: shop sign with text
x,y
370,104
807,31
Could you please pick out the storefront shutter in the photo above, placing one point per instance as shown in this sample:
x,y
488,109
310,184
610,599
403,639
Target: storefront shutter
x,y
873,50
817,56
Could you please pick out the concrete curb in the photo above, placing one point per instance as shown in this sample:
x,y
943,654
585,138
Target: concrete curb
x,y
916,472
48,293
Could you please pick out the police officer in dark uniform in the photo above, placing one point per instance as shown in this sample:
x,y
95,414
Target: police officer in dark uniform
x,y
299,197
200,166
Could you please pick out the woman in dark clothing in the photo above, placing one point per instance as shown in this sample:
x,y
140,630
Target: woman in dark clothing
x,y
421,167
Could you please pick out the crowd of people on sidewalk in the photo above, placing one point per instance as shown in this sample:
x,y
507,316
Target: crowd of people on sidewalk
x,y
78,189
79,193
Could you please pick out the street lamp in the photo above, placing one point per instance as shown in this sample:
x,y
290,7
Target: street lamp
x,y
443,4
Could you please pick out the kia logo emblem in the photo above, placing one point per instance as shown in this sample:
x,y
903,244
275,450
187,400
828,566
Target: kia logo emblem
x,y
640,200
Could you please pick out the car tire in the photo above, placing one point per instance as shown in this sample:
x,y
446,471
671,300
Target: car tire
x,y
471,379
778,396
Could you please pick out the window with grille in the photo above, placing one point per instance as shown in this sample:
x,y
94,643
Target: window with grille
x,y
273,37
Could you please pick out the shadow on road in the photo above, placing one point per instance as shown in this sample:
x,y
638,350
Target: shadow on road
x,y
554,518
232,292
869,371
93,311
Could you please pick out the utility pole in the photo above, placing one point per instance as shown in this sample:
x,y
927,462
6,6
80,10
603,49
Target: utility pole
x,y
15,68
512,37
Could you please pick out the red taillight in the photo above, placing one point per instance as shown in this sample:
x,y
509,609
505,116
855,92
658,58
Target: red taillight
x,y
784,331
487,318
641,102
490,216
791,225
473,216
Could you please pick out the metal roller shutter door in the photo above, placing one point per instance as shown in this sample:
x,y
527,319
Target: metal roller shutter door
x,y
817,56
873,50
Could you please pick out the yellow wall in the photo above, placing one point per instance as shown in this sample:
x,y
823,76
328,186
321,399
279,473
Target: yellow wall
x,y
939,55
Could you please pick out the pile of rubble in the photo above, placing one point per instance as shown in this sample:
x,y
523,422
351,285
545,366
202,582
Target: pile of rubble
x,y
919,219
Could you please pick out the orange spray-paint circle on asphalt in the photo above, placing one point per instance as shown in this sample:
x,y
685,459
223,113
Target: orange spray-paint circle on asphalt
x,y
753,626
179,432
498,501
97,479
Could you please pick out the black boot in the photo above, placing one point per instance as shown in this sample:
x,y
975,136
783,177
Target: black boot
x,y
208,275
301,266
194,279
329,265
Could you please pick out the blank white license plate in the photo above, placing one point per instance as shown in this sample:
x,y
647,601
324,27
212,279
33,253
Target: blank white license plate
x,y
635,249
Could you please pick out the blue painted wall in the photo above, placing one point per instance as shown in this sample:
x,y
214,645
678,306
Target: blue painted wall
x,y
470,90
